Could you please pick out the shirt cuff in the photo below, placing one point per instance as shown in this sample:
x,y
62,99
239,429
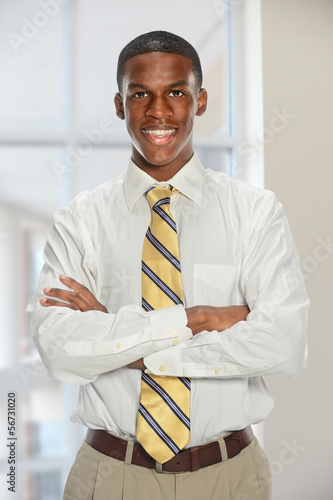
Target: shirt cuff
x,y
168,326
165,363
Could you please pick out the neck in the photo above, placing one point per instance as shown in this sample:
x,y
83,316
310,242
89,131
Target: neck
x,y
163,172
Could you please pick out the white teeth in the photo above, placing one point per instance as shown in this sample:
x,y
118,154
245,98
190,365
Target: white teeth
x,y
159,133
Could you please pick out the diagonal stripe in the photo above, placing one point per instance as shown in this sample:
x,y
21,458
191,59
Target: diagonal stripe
x,y
163,426
157,428
152,294
158,282
163,250
167,399
162,201
149,189
186,382
165,235
162,267
166,218
146,306
169,188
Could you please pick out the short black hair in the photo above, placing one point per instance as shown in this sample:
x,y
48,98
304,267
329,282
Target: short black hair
x,y
159,41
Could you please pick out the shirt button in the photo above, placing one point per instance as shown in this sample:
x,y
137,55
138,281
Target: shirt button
x,y
118,346
217,370
171,330
175,342
162,368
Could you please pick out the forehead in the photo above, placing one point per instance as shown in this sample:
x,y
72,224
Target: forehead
x,y
158,67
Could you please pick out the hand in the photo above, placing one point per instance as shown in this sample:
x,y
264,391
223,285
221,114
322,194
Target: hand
x,y
211,318
80,299
137,364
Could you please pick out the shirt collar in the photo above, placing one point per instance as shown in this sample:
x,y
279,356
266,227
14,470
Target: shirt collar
x,y
188,181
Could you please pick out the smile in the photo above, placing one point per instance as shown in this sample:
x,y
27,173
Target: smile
x,y
159,137
159,133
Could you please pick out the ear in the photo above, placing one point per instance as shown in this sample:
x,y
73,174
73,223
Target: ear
x,y
118,102
202,102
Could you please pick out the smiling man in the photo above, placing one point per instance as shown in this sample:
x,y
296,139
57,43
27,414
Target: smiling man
x,y
180,289
161,96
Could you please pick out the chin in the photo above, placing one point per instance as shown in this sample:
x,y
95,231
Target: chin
x,y
159,160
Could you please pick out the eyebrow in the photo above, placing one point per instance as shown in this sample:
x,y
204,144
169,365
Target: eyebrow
x,y
137,85
171,86
179,83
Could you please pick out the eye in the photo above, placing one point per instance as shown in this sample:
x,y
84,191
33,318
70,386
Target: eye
x,y
140,95
176,93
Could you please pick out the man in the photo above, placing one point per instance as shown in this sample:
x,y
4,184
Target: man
x,y
170,359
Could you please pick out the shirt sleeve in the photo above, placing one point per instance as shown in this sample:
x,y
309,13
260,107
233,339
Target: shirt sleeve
x,y
78,346
272,340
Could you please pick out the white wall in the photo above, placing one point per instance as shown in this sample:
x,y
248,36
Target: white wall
x,y
298,77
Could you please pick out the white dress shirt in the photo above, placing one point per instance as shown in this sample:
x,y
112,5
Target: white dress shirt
x,y
235,248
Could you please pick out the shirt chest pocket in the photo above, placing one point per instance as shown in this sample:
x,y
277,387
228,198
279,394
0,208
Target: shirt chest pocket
x,y
215,284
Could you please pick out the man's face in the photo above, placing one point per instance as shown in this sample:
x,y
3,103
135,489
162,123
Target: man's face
x,y
159,102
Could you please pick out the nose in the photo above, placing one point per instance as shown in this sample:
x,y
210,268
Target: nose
x,y
159,107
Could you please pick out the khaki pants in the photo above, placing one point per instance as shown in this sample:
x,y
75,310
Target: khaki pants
x,y
95,476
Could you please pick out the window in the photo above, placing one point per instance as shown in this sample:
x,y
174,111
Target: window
x,y
60,136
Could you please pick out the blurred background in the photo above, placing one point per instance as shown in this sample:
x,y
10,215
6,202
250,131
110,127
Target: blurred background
x,y
268,72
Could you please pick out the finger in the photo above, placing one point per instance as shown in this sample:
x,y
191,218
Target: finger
x,y
74,285
67,295
89,301
58,293
46,302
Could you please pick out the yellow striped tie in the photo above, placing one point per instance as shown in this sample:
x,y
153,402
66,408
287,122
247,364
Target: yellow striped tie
x,y
163,426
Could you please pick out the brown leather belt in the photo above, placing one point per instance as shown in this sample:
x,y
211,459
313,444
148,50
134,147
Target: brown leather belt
x,y
189,459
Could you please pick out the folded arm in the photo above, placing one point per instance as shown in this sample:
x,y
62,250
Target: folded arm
x,y
273,338
199,318
76,339
207,318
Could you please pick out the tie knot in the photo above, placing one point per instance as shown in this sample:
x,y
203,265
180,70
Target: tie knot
x,y
157,195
